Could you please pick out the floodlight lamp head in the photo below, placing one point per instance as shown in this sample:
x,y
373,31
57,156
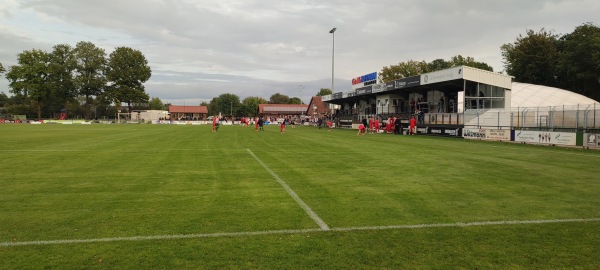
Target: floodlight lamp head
x,y
332,30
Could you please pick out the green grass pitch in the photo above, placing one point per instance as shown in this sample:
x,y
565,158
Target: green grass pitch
x,y
182,197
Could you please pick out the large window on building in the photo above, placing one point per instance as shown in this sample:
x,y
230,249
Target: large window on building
x,y
482,96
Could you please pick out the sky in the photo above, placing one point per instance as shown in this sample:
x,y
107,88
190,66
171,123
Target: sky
x,y
200,49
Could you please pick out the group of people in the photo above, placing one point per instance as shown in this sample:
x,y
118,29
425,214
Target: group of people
x,y
392,125
259,123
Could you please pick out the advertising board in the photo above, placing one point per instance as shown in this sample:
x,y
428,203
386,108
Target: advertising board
x,y
442,75
546,137
403,83
487,134
591,140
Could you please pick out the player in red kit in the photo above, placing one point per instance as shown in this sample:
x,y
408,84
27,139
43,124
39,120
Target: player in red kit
x,y
413,124
282,127
361,129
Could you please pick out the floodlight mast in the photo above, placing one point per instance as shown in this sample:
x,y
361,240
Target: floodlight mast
x,y
332,31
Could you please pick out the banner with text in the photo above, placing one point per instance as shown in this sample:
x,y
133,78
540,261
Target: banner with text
x,y
487,134
546,137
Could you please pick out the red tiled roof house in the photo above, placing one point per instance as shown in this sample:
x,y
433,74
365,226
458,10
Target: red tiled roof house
x,y
188,112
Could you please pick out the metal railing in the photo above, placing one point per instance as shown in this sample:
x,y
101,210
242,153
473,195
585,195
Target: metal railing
x,y
574,117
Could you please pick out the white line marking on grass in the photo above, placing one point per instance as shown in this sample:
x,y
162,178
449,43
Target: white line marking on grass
x,y
468,224
155,237
289,190
274,232
101,151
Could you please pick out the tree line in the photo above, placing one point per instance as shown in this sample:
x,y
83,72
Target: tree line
x,y
414,68
570,61
85,81
81,79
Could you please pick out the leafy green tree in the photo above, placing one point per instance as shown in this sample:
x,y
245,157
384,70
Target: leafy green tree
x,y
249,106
403,70
579,63
532,58
279,98
4,99
156,104
127,72
29,78
90,75
295,100
3,96
324,92
60,75
459,60
438,64
226,104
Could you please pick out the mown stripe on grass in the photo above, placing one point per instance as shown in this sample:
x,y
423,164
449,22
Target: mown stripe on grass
x,y
273,232
290,191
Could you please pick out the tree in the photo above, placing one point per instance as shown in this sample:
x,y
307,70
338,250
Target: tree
x,y
295,100
278,98
60,74
90,75
29,78
438,64
249,106
3,100
403,70
532,58
459,60
225,104
2,70
156,104
127,71
324,92
579,63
